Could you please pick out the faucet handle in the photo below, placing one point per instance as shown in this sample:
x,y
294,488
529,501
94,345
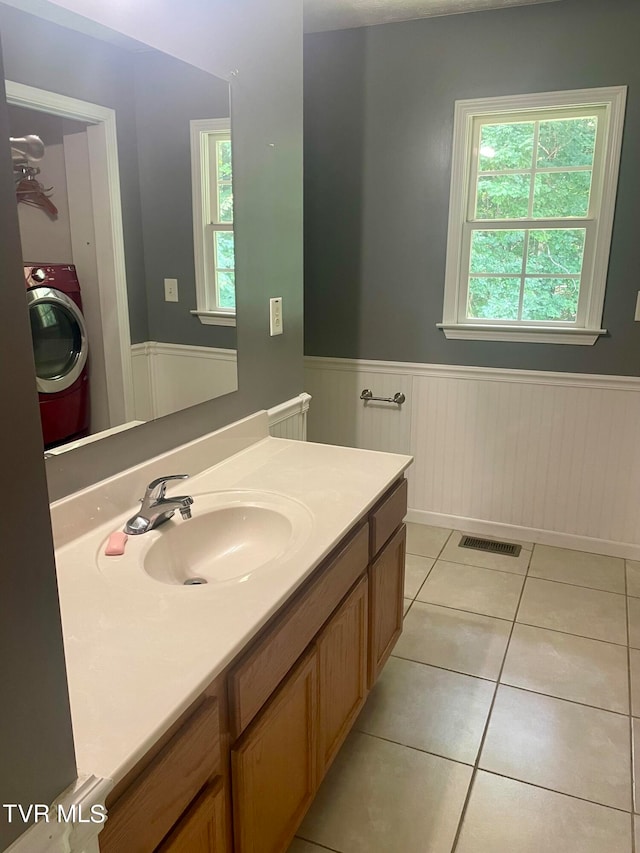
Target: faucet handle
x,y
160,484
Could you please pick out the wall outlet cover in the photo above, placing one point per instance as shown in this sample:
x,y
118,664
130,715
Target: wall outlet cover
x,y
275,316
171,290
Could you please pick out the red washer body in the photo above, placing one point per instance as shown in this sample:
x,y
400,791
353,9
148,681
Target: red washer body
x,y
60,350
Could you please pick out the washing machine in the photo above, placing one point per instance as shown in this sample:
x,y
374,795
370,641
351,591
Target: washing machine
x,y
61,349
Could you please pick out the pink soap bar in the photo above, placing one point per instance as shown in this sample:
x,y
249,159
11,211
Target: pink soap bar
x,y
115,544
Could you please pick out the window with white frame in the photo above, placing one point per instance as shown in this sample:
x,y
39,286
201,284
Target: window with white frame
x,y
533,192
212,189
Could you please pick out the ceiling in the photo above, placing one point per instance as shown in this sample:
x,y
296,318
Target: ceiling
x,y
322,15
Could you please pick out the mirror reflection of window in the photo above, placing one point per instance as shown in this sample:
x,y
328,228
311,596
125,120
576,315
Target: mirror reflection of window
x,y
220,175
214,245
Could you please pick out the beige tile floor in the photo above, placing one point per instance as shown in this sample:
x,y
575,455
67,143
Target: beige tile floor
x,y
502,722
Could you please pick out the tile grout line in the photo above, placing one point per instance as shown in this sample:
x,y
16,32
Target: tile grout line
x,y
570,634
424,557
492,773
528,624
446,669
465,610
315,844
512,686
473,566
414,748
472,612
563,699
522,574
556,791
631,764
526,574
576,585
486,725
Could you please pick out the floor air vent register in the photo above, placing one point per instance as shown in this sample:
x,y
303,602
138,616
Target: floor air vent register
x,y
508,549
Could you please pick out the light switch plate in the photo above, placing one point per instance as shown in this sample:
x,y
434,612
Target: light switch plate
x,y
275,316
171,290
637,314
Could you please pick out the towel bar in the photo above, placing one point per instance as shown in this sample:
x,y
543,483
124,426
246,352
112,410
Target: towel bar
x,y
397,398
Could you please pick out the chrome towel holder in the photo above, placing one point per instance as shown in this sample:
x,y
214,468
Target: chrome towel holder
x,y
397,398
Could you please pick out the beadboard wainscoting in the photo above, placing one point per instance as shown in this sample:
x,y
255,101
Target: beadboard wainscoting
x,y
171,377
289,419
545,457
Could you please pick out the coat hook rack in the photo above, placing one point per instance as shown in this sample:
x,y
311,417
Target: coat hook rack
x,y
397,398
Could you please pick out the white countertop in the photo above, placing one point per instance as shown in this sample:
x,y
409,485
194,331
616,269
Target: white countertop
x,y
138,656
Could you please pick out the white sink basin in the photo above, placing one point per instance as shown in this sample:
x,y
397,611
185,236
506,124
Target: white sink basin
x,y
230,536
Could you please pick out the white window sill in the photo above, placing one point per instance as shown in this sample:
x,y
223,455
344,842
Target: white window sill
x,y
215,318
521,334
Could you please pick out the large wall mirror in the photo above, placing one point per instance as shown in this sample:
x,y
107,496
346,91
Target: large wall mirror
x,y
124,187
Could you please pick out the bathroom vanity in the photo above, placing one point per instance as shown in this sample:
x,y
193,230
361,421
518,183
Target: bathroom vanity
x,y
217,709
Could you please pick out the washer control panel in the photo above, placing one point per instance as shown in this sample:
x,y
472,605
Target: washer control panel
x,y
39,274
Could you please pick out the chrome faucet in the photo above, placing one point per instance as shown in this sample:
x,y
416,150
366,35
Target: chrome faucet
x,y
156,508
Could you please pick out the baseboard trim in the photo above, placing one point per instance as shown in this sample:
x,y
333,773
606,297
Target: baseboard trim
x,y
606,547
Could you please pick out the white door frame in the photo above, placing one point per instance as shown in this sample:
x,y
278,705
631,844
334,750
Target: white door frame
x,y
107,211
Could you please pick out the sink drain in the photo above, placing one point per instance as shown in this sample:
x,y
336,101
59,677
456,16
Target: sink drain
x,y
194,581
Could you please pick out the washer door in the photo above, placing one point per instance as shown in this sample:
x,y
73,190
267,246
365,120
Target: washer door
x,y
59,339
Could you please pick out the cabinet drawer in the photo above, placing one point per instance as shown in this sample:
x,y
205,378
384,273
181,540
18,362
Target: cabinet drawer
x,y
202,828
257,676
387,516
151,805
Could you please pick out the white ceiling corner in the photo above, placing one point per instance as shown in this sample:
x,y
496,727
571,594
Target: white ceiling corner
x,y
321,15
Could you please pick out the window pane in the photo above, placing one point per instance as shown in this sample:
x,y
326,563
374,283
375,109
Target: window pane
x,y
503,197
556,251
506,146
567,142
497,251
226,289
493,298
225,203
223,150
561,194
225,258
550,299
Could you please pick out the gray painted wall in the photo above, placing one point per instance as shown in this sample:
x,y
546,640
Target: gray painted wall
x,y
106,79
378,131
36,745
170,93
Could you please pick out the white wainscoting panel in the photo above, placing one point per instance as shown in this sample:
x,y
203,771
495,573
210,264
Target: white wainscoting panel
x,y
341,417
171,377
546,457
289,419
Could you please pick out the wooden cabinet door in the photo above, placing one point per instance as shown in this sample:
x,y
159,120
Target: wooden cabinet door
x,y
274,765
342,673
203,828
386,589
